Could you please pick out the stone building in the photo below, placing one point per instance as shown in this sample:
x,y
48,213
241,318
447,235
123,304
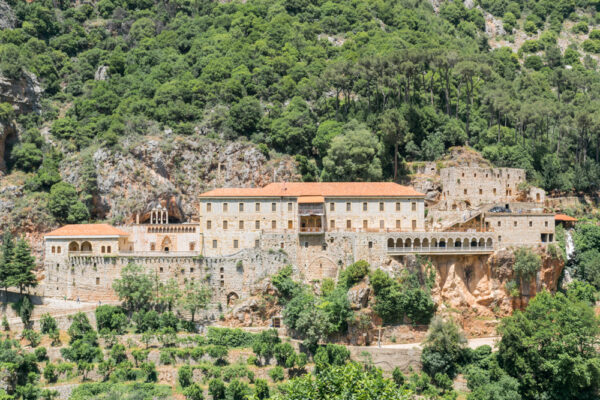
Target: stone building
x,y
245,235
464,187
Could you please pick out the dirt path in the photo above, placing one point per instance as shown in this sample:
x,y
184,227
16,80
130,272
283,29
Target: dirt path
x,y
472,343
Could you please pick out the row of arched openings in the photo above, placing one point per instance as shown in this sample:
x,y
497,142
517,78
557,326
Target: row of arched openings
x,y
441,243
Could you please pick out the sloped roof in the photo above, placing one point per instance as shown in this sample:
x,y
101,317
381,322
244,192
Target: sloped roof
x,y
564,218
325,189
87,230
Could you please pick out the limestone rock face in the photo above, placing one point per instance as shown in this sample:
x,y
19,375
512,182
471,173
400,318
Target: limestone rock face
x,y
101,73
24,94
7,16
358,296
173,171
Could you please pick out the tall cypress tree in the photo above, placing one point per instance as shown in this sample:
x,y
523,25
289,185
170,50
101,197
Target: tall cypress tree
x,y
23,264
7,251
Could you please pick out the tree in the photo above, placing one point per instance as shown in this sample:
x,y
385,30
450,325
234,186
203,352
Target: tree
x,y
353,156
26,157
237,390
393,128
195,297
64,204
48,324
6,255
216,388
194,392
185,376
261,389
135,288
443,348
245,116
23,265
526,263
169,293
550,348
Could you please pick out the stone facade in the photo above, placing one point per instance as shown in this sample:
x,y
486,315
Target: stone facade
x,y
464,187
245,235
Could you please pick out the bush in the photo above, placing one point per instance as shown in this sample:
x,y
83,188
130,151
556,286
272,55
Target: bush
x,y
277,374
237,390
80,327
24,309
534,62
218,353
261,389
229,337
581,27
185,376
146,321
31,336
398,377
50,373
527,263
591,46
194,392
216,388
41,354
111,318
443,348
264,344
284,354
355,272
166,357
149,370
48,324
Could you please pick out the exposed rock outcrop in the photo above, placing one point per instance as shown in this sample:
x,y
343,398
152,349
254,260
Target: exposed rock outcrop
x,y
173,171
23,94
7,16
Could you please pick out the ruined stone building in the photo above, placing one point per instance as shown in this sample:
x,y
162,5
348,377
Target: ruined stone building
x,y
244,235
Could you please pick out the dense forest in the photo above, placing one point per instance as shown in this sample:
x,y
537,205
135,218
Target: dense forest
x,y
350,89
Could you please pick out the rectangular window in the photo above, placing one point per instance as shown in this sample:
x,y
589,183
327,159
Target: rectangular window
x,y
370,245
208,207
225,207
331,206
290,224
381,224
256,224
332,224
273,207
208,224
494,191
414,224
273,224
398,224
515,223
214,244
414,206
225,224
530,224
241,207
235,243
152,246
348,207
256,243
349,224
290,207
257,207
499,223
397,206
546,224
192,246
97,281
465,191
365,224
381,206
241,223
365,206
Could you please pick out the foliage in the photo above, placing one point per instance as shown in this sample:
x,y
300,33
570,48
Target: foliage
x,y
24,308
265,343
110,318
185,376
538,344
135,287
22,266
216,388
277,374
355,272
65,205
527,263
48,324
195,297
194,392
261,389
443,348
341,382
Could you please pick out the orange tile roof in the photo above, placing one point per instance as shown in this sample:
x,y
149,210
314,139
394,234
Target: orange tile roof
x,y
326,189
310,199
564,218
87,230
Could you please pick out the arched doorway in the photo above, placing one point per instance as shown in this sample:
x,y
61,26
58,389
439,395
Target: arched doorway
x,y
73,246
166,245
390,243
86,246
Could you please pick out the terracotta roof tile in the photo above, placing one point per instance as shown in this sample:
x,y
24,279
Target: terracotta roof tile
x,y
565,218
87,230
325,189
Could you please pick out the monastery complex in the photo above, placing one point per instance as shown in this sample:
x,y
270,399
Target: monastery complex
x,y
242,235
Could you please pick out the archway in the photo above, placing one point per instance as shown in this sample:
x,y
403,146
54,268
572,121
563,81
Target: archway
x,y
417,243
86,246
408,243
399,243
73,246
442,243
166,245
390,243
232,298
481,242
489,242
466,242
450,243
425,242
473,242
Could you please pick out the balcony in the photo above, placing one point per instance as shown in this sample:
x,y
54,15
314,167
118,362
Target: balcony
x,y
311,209
440,243
440,250
311,229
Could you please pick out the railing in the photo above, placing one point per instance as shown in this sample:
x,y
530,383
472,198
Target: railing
x,y
83,253
311,229
437,249
159,253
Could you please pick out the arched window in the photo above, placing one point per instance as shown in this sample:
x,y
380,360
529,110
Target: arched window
x,y
53,249
73,246
108,249
58,249
390,242
86,246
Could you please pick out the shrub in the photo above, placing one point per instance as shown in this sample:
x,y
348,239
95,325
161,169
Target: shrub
x,y
168,320
48,324
146,321
24,309
31,336
277,374
591,46
218,353
79,327
184,376
398,377
166,357
194,392
595,35
216,388
117,353
527,263
50,373
261,389
534,62
41,354
284,354
443,348
355,272
149,370
229,337
265,343
111,318
581,27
